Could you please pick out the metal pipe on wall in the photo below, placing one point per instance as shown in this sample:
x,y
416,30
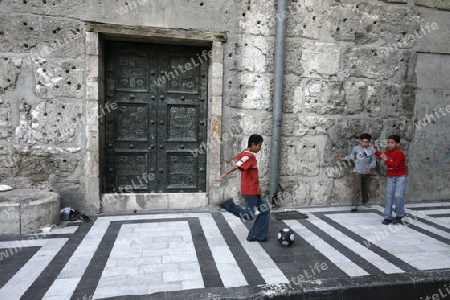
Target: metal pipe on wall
x,y
280,58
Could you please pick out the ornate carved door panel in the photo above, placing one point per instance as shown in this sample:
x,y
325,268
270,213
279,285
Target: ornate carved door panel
x,y
161,117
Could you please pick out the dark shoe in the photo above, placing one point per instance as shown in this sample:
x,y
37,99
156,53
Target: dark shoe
x,y
225,203
397,220
386,222
354,209
252,239
84,218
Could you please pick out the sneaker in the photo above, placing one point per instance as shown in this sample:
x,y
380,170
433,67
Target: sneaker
x,y
386,222
252,239
225,203
354,210
367,205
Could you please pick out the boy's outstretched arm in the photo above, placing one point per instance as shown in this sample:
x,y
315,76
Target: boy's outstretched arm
x,y
231,158
230,170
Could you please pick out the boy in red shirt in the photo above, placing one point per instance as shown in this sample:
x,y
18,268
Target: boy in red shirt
x,y
397,176
250,190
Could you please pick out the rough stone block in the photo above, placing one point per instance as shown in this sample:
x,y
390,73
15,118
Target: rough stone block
x,y
254,53
366,63
258,19
319,97
10,68
390,100
34,208
9,217
53,121
5,119
256,91
59,78
305,18
74,8
19,33
92,43
307,158
61,38
342,190
320,60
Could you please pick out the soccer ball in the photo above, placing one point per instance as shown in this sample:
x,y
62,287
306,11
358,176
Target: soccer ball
x,y
286,236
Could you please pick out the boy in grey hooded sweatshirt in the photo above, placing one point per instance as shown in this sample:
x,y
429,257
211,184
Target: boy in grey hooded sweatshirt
x,y
365,161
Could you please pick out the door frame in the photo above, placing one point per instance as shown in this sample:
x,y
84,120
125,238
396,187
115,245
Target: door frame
x,y
96,200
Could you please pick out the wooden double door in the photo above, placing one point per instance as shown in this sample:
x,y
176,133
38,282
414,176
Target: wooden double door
x,y
156,118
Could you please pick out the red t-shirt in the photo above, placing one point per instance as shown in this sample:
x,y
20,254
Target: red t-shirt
x,y
395,162
246,161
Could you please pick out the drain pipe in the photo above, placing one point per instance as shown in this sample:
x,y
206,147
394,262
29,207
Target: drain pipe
x,y
280,50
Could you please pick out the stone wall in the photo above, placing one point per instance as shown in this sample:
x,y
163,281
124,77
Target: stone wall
x,y
351,67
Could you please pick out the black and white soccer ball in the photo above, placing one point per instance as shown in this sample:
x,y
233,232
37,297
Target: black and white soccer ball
x,y
286,236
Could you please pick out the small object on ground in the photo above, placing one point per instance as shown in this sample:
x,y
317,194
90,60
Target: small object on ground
x,y
286,236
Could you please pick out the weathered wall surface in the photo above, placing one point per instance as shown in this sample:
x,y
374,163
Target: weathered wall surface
x,y
351,67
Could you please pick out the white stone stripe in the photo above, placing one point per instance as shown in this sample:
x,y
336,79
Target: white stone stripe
x,y
436,211
229,271
321,209
365,253
262,261
70,277
24,278
341,261
85,251
427,204
446,220
416,249
422,225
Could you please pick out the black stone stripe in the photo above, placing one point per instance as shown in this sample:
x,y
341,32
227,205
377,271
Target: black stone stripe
x,y
92,275
305,258
374,248
429,233
440,215
13,259
298,261
350,254
412,219
249,270
44,281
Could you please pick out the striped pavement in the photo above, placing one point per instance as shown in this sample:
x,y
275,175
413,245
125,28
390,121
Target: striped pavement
x,y
205,255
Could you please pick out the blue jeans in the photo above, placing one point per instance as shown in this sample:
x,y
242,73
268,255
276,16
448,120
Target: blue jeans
x,y
395,190
261,225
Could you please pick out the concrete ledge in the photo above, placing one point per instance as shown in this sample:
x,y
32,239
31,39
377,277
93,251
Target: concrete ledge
x,y
26,211
152,201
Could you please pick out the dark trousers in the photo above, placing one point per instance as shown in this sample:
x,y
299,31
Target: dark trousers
x,y
360,188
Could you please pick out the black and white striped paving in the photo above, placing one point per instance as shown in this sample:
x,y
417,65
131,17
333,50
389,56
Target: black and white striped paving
x,y
163,254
